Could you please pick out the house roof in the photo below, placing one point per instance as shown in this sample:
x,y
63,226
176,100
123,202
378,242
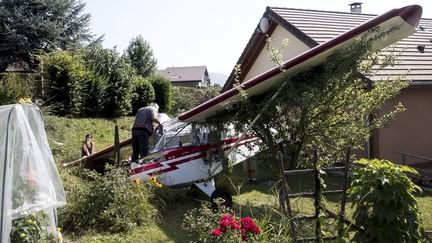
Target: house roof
x,y
183,74
314,27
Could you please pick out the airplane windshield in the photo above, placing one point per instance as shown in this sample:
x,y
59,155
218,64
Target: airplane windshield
x,y
176,134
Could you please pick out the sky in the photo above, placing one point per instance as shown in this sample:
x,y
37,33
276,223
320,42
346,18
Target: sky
x,y
212,33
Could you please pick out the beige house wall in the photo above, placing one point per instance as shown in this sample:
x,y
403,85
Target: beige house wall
x,y
411,131
264,62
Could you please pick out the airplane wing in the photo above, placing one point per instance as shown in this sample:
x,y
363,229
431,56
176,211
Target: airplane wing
x,y
407,18
100,157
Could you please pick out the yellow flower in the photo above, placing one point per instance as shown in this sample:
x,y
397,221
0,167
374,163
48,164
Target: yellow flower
x,y
154,181
136,182
22,235
25,100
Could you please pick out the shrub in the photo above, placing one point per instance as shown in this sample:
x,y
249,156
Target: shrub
x,y
118,92
186,98
65,74
105,202
384,203
13,87
32,228
116,75
163,91
143,93
92,96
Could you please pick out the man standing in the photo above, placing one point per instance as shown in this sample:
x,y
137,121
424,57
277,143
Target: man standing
x,y
142,130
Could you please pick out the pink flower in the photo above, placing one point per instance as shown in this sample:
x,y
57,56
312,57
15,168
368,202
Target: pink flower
x,y
216,232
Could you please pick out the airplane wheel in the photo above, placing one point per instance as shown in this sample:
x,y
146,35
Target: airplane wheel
x,y
221,193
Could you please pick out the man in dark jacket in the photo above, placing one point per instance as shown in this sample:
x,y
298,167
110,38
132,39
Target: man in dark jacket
x,y
142,130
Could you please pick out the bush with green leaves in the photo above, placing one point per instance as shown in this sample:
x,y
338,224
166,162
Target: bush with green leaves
x,y
115,74
385,206
14,86
224,225
64,74
105,202
31,229
186,98
143,93
163,91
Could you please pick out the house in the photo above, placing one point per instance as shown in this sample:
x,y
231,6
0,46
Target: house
x,y
408,139
192,76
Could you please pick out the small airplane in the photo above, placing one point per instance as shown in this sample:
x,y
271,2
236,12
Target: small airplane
x,y
183,155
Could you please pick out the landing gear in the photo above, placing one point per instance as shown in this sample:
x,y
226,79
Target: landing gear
x,y
221,193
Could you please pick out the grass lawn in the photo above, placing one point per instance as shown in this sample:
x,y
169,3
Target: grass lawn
x,y
66,135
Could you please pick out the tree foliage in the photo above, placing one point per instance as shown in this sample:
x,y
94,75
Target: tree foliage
x,y
327,107
141,57
14,86
116,74
64,75
28,28
143,93
163,91
186,98
385,206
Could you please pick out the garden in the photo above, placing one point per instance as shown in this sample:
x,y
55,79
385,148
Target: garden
x,y
307,123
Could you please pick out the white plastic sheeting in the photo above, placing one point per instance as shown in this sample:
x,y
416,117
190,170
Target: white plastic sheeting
x,y
29,180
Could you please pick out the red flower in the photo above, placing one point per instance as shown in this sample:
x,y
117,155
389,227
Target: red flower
x,y
216,232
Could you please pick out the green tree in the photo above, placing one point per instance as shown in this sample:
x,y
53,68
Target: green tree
x,y
140,55
143,93
28,28
64,75
115,74
186,98
163,91
327,107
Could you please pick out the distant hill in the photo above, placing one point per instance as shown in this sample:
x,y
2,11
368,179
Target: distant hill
x,y
218,78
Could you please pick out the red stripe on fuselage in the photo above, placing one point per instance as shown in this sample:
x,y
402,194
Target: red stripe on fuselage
x,y
174,153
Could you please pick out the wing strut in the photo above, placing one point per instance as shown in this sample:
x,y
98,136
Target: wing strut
x,y
254,121
258,116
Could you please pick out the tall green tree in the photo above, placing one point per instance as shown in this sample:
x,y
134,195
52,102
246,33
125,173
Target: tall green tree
x,y
140,55
28,28
117,76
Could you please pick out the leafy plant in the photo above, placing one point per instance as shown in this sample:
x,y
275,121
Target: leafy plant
x,y
163,91
13,87
385,206
65,74
31,229
143,93
105,202
223,225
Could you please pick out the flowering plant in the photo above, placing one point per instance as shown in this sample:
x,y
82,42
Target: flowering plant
x,y
230,229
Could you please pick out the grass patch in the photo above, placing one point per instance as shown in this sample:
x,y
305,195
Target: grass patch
x,y
66,135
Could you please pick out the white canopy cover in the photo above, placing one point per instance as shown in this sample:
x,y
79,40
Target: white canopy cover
x,y
29,180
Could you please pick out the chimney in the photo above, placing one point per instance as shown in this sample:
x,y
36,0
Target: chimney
x,y
355,7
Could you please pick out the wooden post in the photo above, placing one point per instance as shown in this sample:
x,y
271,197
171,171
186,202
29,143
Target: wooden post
x,y
403,159
286,206
116,146
317,202
344,194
